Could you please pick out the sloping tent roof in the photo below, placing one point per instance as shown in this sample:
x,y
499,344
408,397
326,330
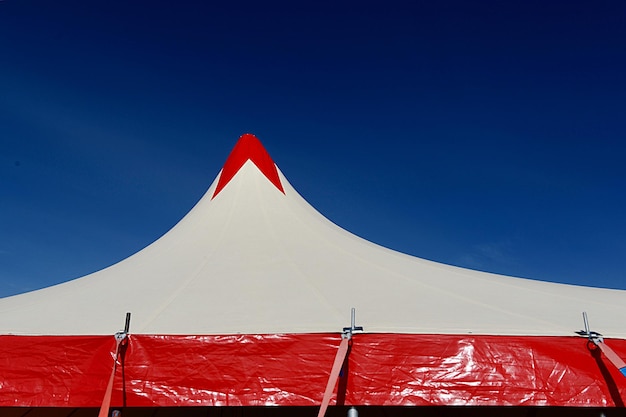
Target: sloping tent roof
x,y
254,257
253,264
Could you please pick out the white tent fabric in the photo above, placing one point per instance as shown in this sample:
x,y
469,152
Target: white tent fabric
x,y
255,260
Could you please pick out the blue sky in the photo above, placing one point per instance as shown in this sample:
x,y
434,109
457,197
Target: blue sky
x,y
489,135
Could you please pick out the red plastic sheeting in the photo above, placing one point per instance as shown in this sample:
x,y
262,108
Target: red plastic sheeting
x,y
253,370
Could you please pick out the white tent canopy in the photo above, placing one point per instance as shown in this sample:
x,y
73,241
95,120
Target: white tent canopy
x,y
254,259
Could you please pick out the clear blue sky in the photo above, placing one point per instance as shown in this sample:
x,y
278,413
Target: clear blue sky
x,y
489,135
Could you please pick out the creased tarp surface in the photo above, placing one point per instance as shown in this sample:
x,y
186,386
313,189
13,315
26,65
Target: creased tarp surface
x,y
292,370
54,370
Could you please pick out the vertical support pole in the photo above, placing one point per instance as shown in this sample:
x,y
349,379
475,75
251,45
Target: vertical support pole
x,y
340,357
120,337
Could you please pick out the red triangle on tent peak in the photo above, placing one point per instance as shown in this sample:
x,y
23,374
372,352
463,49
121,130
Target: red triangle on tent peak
x,y
248,147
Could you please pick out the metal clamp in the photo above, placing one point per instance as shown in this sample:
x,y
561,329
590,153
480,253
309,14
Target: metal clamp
x,y
594,337
120,336
348,331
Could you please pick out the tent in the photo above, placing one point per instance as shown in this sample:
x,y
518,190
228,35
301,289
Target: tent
x,y
255,300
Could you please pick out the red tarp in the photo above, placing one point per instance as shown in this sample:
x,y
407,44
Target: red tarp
x,y
292,370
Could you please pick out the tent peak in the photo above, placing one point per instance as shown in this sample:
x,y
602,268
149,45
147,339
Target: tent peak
x,y
248,147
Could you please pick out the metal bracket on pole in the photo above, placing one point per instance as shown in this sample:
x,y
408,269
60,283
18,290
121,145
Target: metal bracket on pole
x,y
348,331
594,337
120,336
